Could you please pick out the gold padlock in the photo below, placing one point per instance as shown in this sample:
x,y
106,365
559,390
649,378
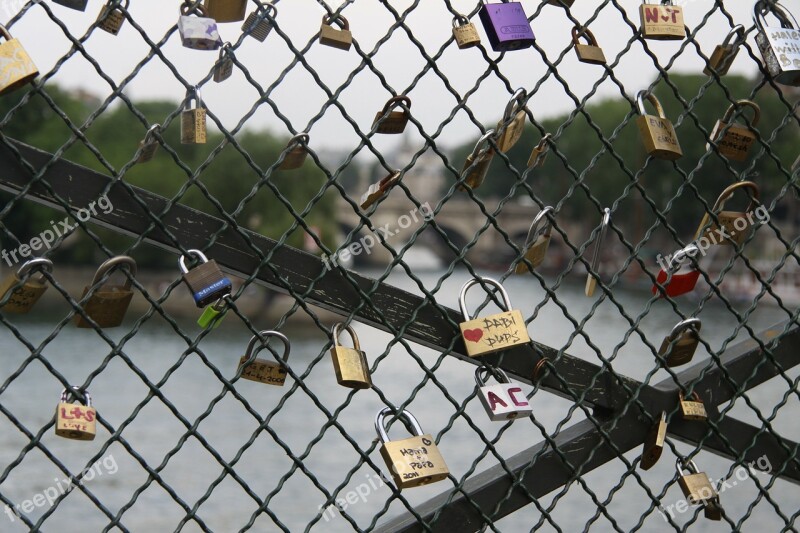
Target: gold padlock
x,y
692,409
734,140
259,23
298,151
464,32
224,67
350,364
226,10
696,486
510,128
537,242
724,54
330,36
193,120
16,66
112,16
149,145
477,163
657,132
679,346
378,190
75,421
262,370
108,304
492,333
662,22
414,461
593,274
729,230
587,53
25,297
393,121
539,152
654,443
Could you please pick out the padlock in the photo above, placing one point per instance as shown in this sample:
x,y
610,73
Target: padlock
x,y
679,346
654,443
662,22
477,163
393,121
414,461
537,242
380,189
734,140
226,10
492,333
674,282
198,32
260,22
592,277
506,26
224,66
696,486
193,119
350,364
465,32
561,3
17,66
657,132
510,128
112,16
724,54
298,151
727,231
330,36
149,145
263,370
213,315
692,409
79,5
75,421
712,509
539,152
587,53
108,304
504,401
23,299
779,45
206,281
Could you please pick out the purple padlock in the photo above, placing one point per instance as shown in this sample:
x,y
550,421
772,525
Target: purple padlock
x,y
507,26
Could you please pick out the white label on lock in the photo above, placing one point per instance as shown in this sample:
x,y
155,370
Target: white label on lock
x,y
504,401
785,44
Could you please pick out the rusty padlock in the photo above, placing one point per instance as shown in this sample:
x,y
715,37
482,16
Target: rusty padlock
x,y
679,346
592,276
733,227
724,54
735,140
654,443
226,10
263,370
512,125
477,163
350,364
537,242
108,303
75,421
112,16
587,53
393,122
17,67
492,333
464,32
25,297
657,132
662,22
330,36
260,22
779,45
298,151
378,190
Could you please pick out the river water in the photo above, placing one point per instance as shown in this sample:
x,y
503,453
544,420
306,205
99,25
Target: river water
x,y
188,458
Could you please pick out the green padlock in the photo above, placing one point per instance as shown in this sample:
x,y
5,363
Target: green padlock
x,y
213,315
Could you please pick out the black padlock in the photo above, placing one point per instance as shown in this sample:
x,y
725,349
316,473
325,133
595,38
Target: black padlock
x,y
206,281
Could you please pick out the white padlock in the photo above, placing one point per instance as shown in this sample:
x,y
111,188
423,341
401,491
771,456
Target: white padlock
x,y
503,401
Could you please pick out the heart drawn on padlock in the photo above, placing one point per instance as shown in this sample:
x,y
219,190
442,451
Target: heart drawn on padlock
x,y
473,335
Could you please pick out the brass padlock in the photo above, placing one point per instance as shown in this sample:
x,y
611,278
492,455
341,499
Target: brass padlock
x,y
679,346
779,45
262,370
414,461
492,333
593,275
260,22
477,163
75,421
696,486
197,32
350,364
510,128
657,132
587,53
330,36
226,10
112,16
388,121
79,5
539,152
18,68
108,304
662,22
734,140
504,401
224,66
25,297
378,190
654,443
537,242
149,145
298,151
693,409
724,54
206,281
193,119
464,32
727,231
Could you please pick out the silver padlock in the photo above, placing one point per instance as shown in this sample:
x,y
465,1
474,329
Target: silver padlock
x,y
779,45
504,401
198,32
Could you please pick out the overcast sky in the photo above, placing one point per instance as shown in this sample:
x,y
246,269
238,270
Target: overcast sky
x,y
299,97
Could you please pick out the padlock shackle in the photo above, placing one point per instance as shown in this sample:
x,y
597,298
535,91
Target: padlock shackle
x,y
688,251
663,3
497,373
113,263
599,243
197,253
396,101
116,4
221,303
266,334
694,397
514,105
408,419
193,93
462,299
726,194
267,6
743,103
226,48
533,232
339,21
151,131
640,97
301,139
542,146
39,263
460,20
188,7
781,13
478,145
389,180
71,392
4,33
681,464
736,30
581,31
693,324
337,332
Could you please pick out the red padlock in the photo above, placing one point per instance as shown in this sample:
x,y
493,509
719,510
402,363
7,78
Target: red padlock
x,y
674,282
